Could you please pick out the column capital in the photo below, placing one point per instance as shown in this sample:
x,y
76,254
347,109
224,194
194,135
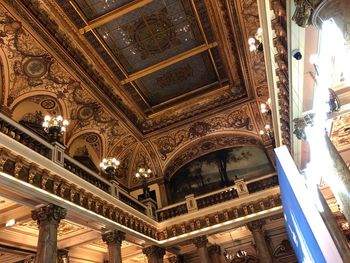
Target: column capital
x,y
256,226
214,249
200,241
113,237
154,250
176,259
49,213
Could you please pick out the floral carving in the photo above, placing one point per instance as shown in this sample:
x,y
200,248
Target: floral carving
x,y
237,119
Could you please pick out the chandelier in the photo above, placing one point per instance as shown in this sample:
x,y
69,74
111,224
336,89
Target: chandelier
x,y
144,173
109,166
255,43
54,126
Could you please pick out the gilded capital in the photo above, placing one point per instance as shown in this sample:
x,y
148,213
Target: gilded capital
x,y
49,213
200,241
154,250
113,237
256,225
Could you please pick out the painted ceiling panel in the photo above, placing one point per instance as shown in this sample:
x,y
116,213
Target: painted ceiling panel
x,y
151,34
180,78
95,8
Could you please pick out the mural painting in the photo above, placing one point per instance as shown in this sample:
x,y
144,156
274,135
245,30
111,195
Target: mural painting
x,y
217,170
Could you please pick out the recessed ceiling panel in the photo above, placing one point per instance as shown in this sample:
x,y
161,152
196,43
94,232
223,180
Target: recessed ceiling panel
x,y
151,34
178,79
96,8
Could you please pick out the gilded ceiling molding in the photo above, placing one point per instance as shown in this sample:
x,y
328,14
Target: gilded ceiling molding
x,y
236,119
208,144
72,55
4,78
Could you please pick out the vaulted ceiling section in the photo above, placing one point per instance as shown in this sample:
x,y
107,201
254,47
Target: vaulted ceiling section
x,y
139,80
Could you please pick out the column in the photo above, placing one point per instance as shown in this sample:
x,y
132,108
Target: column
x,y
114,241
262,248
201,245
154,254
214,252
48,218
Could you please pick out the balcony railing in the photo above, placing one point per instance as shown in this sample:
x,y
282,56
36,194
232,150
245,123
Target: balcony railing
x,y
193,203
216,197
262,184
28,138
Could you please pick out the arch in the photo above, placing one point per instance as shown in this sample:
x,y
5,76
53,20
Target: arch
x,y
63,107
88,146
4,78
204,145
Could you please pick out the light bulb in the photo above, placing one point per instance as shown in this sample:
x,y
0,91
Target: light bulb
x,y
45,124
137,175
251,41
252,48
65,123
59,118
11,222
117,162
63,129
260,31
149,171
261,132
267,127
47,118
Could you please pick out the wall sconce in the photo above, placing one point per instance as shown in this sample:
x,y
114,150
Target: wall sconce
x,y
269,134
255,43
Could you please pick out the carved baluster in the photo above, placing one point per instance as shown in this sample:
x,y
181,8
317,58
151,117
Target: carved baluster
x,y
82,194
73,192
56,184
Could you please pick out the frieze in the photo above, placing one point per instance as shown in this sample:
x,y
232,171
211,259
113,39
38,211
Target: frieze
x,y
238,119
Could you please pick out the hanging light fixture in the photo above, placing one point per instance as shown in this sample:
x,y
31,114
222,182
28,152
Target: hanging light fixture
x,y
54,126
144,173
255,43
109,166
265,107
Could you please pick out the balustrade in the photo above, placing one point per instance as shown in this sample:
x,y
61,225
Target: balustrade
x,y
171,212
262,184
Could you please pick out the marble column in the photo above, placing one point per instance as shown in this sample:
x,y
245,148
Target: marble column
x,y
154,254
262,248
48,218
201,245
214,252
114,241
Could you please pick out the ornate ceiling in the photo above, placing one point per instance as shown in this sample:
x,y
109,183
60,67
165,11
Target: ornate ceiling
x,y
141,80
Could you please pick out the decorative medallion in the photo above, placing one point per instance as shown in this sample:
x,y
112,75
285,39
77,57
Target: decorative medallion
x,y
153,34
176,76
48,104
85,113
91,138
35,67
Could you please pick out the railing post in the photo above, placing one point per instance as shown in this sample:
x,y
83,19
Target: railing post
x,y
242,189
115,189
58,153
151,207
191,203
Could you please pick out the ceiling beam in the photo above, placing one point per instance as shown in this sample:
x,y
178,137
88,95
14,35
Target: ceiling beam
x,y
118,12
168,62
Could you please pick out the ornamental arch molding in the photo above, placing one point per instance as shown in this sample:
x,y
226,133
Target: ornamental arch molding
x,y
4,79
208,144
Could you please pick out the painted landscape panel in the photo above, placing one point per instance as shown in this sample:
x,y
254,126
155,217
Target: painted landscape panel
x,y
219,169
